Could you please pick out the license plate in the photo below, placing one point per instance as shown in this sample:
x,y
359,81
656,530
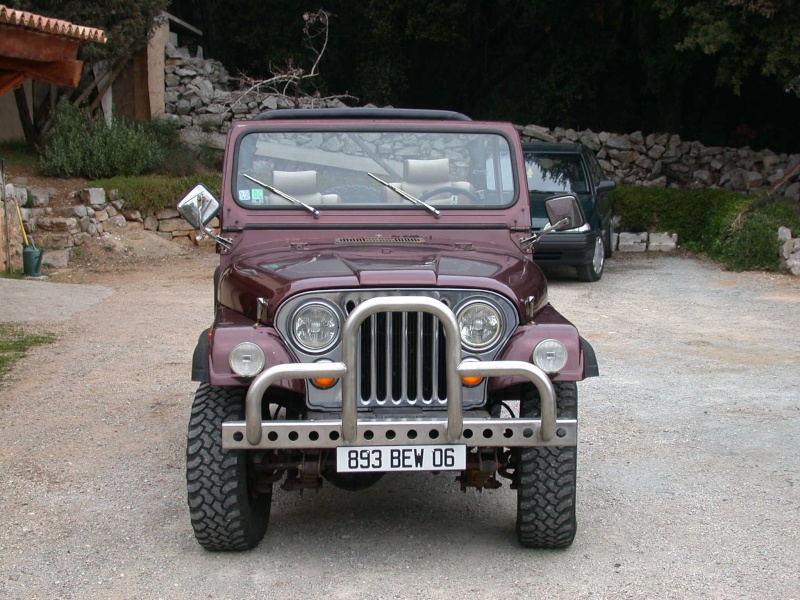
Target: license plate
x,y
400,458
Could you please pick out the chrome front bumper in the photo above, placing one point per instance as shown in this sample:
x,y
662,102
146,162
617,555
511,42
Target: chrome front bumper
x,y
254,432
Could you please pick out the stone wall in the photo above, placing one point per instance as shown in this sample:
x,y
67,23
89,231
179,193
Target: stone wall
x,y
661,160
93,215
199,102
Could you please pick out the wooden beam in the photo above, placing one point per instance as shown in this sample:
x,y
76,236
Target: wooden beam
x,y
24,115
60,72
16,42
10,80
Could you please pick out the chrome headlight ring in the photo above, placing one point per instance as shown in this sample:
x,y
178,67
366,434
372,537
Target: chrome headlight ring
x,y
315,326
481,325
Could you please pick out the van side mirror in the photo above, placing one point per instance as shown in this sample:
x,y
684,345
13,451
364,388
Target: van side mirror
x,y
564,212
606,185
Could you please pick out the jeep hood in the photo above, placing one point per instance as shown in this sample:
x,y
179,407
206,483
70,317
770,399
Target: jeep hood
x,y
274,274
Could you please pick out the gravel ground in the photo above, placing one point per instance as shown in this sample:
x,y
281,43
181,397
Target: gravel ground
x,y
688,461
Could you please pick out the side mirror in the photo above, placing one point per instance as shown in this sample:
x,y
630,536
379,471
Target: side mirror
x,y
606,186
199,206
564,212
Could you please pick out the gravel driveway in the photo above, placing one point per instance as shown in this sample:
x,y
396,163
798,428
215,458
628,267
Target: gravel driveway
x,y
689,457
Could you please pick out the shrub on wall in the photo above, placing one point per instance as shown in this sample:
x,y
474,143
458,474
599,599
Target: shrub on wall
x,y
750,240
736,229
156,192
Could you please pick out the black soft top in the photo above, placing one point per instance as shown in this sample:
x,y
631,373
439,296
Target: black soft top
x,y
361,113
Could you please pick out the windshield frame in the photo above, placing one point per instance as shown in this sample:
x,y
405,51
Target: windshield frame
x,y
397,127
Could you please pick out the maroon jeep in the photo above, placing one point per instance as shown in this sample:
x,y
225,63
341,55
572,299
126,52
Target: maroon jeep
x,y
377,310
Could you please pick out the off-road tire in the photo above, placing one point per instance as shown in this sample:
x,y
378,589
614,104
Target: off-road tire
x,y
545,478
225,515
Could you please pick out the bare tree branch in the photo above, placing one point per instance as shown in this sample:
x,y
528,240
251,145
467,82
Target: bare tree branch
x,y
286,83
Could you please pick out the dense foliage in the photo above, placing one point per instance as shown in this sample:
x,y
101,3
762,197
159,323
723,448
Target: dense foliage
x,y
82,146
738,230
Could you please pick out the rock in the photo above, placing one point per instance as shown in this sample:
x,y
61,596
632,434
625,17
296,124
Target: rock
x,y
703,177
79,211
93,196
538,133
79,238
101,215
172,225
793,265
57,259
618,142
770,161
150,223
117,221
793,191
625,157
68,224
591,139
632,242
41,197
166,213
656,152
54,240
662,242
790,247
659,182
784,234
183,107
111,211
636,137
571,135
132,215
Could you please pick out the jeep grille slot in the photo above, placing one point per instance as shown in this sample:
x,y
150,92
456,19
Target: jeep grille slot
x,y
401,360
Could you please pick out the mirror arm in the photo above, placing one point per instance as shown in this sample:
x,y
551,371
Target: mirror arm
x,y
226,243
528,243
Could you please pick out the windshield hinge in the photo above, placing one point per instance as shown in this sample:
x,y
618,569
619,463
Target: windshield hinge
x,y
517,229
299,246
464,246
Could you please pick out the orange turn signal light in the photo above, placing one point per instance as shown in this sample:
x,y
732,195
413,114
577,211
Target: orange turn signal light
x,y
324,382
471,380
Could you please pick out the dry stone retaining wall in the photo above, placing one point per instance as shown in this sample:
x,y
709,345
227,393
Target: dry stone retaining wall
x,y
199,101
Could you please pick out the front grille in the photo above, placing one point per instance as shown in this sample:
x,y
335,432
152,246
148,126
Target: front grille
x,y
401,360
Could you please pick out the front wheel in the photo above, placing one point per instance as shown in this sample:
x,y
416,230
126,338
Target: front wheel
x,y
593,270
226,511
545,478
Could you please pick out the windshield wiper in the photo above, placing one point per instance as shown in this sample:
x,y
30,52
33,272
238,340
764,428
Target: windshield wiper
x,y
405,195
284,195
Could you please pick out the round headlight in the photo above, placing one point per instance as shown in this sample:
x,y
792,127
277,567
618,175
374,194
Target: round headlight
x,y
247,359
315,327
480,324
550,356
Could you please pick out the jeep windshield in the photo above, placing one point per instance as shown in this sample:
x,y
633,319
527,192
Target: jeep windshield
x,y
405,170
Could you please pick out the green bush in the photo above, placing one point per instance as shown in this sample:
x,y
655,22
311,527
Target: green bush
x,y
83,147
736,229
156,192
751,242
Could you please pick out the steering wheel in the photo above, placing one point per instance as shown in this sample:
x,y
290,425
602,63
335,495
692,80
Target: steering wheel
x,y
453,190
